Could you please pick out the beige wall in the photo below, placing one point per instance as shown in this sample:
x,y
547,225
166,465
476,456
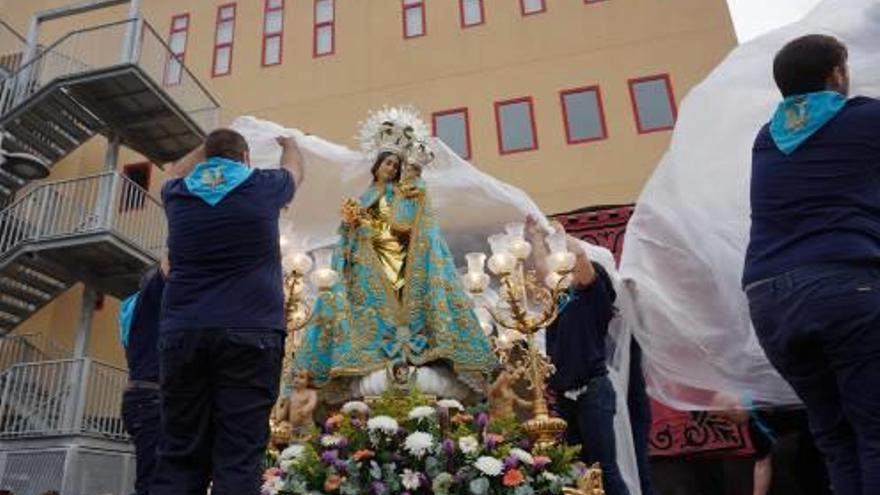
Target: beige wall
x,y
570,45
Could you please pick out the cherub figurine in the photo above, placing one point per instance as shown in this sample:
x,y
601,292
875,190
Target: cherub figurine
x,y
503,399
588,484
301,408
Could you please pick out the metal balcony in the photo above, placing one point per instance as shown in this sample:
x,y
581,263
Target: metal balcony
x,y
61,429
102,230
118,79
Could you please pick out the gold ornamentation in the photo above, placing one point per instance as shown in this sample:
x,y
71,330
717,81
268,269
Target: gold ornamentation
x,y
588,484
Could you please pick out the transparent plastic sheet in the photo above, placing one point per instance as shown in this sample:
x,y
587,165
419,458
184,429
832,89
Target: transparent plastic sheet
x,y
685,244
469,205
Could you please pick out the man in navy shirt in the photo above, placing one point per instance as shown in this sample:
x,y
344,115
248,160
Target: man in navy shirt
x,y
576,347
812,268
139,332
222,331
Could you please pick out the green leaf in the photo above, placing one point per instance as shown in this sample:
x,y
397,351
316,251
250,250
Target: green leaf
x,y
433,467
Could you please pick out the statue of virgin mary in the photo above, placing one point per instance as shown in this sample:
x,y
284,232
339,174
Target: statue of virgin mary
x,y
399,301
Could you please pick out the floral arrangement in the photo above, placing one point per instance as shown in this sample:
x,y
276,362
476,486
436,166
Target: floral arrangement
x,y
409,446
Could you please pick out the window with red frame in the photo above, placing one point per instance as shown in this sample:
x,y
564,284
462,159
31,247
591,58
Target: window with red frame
x,y
133,194
177,42
453,128
515,120
653,103
325,28
273,32
413,18
529,7
583,115
472,13
223,39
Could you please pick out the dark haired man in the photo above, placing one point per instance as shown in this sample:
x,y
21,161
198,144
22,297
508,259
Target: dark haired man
x,y
812,268
222,331
575,341
139,333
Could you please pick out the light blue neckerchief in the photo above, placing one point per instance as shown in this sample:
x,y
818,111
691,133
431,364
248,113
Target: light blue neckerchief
x,y
214,179
126,315
799,117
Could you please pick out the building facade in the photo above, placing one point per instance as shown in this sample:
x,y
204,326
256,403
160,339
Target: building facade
x,y
573,101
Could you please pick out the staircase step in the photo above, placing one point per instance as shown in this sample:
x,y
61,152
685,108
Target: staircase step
x,y
17,307
63,99
38,279
23,291
47,128
34,140
51,110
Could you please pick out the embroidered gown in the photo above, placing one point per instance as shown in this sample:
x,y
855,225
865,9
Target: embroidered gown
x,y
399,298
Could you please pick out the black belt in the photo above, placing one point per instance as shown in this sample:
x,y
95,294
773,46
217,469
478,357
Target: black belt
x,y
141,385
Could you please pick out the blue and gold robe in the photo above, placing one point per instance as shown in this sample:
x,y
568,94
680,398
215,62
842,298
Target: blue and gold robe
x,y
386,309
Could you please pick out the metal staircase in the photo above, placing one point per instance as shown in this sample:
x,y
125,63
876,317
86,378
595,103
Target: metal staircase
x,y
108,79
103,230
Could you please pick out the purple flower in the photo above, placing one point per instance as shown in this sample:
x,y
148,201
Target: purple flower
x,y
490,442
330,456
448,446
340,466
525,444
541,462
482,421
510,462
378,487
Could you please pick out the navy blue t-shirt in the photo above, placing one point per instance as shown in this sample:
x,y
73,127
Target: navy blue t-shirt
x,y
821,203
141,353
226,259
576,340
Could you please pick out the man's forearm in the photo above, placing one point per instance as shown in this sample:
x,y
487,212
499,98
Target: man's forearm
x,y
291,160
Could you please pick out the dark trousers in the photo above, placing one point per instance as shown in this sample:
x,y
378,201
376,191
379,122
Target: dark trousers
x,y
140,414
218,389
591,425
639,417
820,327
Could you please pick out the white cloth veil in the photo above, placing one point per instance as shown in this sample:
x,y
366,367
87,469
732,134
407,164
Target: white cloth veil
x,y
469,205
685,244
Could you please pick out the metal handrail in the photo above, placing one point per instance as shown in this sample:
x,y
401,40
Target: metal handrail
x,y
107,202
61,60
62,397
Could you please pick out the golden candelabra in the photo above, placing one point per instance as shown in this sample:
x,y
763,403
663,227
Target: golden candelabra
x,y
298,312
524,308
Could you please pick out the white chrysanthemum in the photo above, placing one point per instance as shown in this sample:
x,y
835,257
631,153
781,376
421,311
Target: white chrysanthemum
x,y
419,443
385,424
489,466
449,404
468,445
331,440
355,406
272,486
292,453
522,456
547,475
421,412
410,479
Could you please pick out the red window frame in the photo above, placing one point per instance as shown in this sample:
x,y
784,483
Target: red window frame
x,y
669,92
498,105
266,36
230,44
600,106
467,126
419,4
461,14
317,26
128,204
522,8
179,56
